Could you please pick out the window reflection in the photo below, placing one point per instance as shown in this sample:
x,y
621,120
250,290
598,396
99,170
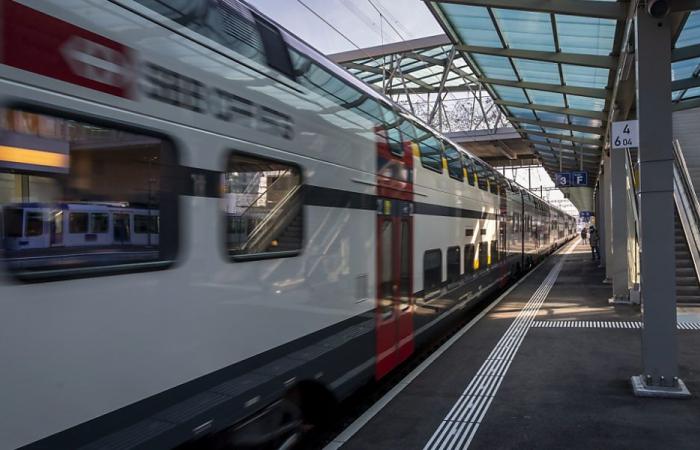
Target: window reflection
x,y
263,207
77,205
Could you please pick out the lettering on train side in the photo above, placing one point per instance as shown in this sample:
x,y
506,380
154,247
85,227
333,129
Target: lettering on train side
x,y
36,42
181,91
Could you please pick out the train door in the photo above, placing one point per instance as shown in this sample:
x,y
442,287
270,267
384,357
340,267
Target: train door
x,y
394,311
122,229
394,285
35,235
56,227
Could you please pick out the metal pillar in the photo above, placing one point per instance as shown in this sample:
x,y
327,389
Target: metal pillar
x,y
658,262
606,239
619,209
603,220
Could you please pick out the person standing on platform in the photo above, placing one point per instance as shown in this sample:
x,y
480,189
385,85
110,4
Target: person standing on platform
x,y
584,234
594,240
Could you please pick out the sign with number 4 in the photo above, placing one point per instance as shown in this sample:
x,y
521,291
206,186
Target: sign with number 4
x,y
625,134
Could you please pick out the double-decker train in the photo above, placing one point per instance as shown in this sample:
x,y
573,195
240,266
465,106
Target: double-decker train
x,y
298,234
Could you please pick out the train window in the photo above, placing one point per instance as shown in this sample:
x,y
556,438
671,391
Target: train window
x,y
64,181
430,149
470,265
78,223
395,142
228,23
483,255
262,207
99,223
481,176
493,182
454,163
432,270
454,260
469,169
144,224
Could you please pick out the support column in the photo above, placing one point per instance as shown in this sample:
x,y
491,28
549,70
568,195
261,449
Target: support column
x,y
606,240
603,224
619,210
659,336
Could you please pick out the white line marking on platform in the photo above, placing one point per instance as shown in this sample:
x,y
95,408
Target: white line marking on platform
x,y
460,425
361,421
627,325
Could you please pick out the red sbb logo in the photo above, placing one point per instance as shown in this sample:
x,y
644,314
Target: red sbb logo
x,y
41,44
98,63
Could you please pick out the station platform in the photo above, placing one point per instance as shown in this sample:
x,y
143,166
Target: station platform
x,y
548,367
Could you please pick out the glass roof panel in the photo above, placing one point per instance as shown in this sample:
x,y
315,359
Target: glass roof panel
x,y
580,134
593,77
497,67
525,30
585,35
473,24
586,121
558,142
511,94
534,137
531,127
691,93
546,97
684,69
522,112
590,103
690,35
557,131
537,71
551,117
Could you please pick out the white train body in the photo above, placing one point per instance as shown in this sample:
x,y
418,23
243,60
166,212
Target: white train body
x,y
152,348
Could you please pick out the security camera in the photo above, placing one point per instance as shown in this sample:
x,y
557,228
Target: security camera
x,y
658,9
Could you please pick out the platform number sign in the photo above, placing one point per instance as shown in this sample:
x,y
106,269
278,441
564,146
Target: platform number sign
x,y
563,179
625,134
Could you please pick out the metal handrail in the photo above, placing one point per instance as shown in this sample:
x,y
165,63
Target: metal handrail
x,y
260,229
633,201
687,205
267,189
633,191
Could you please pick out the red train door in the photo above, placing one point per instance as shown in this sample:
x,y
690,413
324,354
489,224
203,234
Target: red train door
x,y
394,311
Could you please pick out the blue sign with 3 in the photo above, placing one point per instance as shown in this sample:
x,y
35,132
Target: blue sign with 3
x,y
563,179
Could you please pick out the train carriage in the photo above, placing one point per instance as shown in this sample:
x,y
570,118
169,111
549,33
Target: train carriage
x,y
277,233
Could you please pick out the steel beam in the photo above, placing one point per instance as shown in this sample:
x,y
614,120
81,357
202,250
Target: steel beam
x,y
605,62
556,109
683,53
573,90
562,138
657,211
588,8
389,49
686,83
563,126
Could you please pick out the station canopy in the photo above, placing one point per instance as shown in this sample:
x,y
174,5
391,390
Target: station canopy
x,y
560,71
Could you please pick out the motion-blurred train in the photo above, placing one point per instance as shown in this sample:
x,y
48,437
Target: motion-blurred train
x,y
301,235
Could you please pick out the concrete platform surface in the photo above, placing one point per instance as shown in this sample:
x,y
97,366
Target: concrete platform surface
x,y
548,368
